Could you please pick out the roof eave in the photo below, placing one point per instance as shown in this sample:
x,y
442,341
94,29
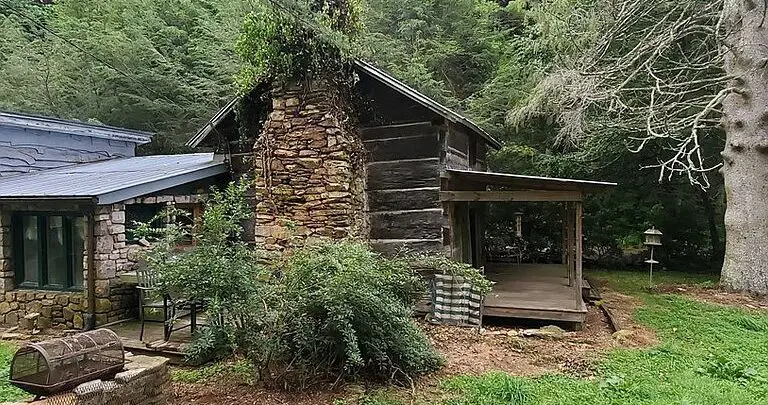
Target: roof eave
x,y
138,190
534,182
420,98
34,122
209,126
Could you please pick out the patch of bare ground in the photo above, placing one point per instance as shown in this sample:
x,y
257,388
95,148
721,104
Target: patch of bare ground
x,y
718,296
496,348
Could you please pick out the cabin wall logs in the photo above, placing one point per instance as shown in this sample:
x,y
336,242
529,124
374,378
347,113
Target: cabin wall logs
x,y
310,170
404,187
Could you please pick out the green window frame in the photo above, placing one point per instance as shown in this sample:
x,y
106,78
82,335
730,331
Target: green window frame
x,y
48,250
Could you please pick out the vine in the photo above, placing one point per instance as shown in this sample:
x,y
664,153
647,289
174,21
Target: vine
x,y
297,40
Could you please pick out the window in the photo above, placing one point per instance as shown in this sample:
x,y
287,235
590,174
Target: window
x,y
155,216
140,213
48,250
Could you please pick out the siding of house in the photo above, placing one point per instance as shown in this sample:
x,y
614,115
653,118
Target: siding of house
x,y
26,150
404,186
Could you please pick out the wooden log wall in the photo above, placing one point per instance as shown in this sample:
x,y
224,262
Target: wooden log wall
x,y
464,151
464,221
404,187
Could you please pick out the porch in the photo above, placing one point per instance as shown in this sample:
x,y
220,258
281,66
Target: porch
x,y
153,343
534,291
548,292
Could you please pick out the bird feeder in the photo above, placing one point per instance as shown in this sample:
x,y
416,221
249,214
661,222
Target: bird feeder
x,y
519,224
652,239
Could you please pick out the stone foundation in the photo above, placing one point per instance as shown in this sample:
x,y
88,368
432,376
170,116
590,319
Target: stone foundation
x,y
310,171
144,381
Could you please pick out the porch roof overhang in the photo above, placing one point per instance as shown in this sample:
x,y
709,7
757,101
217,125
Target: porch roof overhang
x,y
110,181
471,185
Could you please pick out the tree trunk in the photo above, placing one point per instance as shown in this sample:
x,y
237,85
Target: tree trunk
x,y
745,169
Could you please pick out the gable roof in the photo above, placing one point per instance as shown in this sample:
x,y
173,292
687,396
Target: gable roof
x,y
36,122
111,181
382,77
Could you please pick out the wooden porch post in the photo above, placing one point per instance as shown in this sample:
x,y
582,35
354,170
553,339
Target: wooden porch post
x,y
570,243
565,234
579,247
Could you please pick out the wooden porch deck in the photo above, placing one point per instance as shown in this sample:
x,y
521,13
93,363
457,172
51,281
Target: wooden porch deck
x,y
533,291
153,343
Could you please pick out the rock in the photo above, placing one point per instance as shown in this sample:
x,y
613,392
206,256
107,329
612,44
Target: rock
x,y
5,307
62,300
11,336
547,332
77,321
622,336
103,305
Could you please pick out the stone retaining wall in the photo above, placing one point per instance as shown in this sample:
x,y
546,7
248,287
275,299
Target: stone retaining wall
x,y
144,381
310,171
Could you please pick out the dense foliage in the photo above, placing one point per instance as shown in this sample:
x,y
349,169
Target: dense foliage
x,y
345,311
168,65
284,40
322,313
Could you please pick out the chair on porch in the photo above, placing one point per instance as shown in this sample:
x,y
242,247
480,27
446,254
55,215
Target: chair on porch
x,y
150,297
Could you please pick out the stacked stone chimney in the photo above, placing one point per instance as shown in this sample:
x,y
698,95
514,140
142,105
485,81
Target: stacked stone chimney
x,y
310,170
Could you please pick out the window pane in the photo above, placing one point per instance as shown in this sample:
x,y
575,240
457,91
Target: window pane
x,y
57,252
78,244
140,213
31,247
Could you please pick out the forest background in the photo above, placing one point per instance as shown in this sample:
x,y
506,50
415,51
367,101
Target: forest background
x,y
167,66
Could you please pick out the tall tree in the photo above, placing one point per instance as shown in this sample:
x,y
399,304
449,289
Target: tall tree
x,y
745,119
681,76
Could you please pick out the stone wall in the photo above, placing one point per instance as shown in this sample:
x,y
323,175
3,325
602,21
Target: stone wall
x,y
144,381
114,300
310,170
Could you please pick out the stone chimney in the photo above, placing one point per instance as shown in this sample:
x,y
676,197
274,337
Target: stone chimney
x,y
310,169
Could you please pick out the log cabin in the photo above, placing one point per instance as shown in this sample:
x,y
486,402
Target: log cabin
x,y
401,171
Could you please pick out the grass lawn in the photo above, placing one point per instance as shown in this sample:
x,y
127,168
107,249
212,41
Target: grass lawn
x,y
708,355
7,391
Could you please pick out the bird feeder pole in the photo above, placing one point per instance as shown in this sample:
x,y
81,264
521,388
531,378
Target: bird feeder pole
x,y
652,239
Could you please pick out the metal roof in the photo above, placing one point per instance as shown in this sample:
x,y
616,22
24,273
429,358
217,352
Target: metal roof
x,y
384,78
35,122
527,182
111,181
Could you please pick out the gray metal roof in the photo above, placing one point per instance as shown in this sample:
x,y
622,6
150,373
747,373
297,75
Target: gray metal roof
x,y
527,182
387,80
26,121
111,181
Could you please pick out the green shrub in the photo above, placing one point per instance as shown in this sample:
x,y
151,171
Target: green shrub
x,y
325,312
343,312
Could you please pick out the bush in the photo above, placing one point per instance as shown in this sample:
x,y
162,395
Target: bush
x,y
344,312
325,312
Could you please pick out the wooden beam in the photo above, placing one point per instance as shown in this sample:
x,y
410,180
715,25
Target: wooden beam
x,y
570,256
509,196
579,247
